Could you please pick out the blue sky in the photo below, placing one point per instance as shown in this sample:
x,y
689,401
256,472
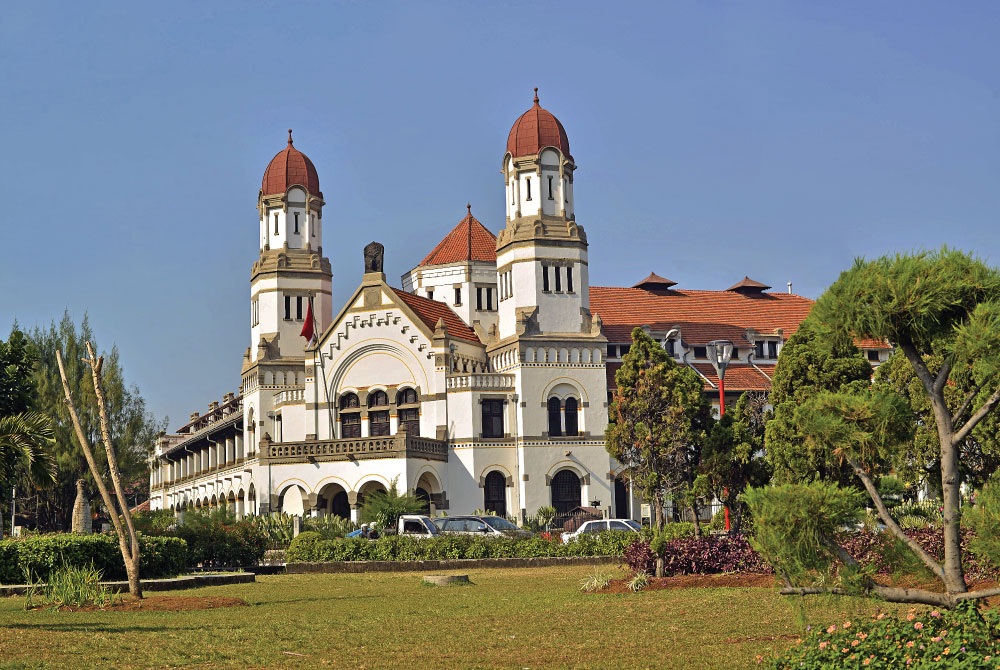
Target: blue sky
x,y
714,140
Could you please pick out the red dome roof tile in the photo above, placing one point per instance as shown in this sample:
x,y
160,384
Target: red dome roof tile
x,y
536,129
288,168
470,240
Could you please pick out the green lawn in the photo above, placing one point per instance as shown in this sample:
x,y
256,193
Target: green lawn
x,y
517,618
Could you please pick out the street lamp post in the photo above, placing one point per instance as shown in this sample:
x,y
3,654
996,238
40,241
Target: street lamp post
x,y
720,352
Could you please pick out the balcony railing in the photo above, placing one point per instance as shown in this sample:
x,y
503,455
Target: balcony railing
x,y
485,381
289,397
400,445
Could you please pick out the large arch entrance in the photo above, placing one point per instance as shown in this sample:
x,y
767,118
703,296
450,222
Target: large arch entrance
x,y
565,491
333,501
293,501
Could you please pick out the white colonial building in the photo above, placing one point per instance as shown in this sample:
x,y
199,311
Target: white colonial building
x,y
481,383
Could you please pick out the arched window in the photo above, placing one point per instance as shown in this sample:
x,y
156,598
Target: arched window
x,y
409,413
406,397
565,491
555,420
495,493
378,399
571,417
350,417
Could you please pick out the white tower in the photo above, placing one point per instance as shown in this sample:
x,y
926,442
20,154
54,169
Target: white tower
x,y
289,271
541,253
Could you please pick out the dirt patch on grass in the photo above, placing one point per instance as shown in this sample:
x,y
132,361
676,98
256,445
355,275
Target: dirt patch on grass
x,y
695,582
159,604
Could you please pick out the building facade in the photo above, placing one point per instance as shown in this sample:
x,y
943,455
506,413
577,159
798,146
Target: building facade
x,y
482,383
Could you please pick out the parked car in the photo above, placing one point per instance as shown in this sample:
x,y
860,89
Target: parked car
x,y
412,525
489,526
602,526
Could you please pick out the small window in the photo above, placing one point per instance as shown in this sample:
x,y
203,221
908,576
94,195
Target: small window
x,y
430,294
545,277
458,296
296,223
873,355
479,298
558,273
758,349
288,307
736,354
572,423
489,299
623,349
298,307
378,399
349,401
772,349
512,194
378,423
350,425
700,352
411,417
528,182
275,224
406,397
312,225
555,417
492,418
612,351
671,347
550,189
569,278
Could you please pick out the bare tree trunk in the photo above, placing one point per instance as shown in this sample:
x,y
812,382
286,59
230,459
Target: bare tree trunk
x,y
694,516
130,546
658,513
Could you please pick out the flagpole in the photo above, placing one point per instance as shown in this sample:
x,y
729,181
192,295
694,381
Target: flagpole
x,y
322,365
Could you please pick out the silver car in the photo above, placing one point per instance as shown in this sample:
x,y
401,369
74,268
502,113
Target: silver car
x,y
602,526
487,526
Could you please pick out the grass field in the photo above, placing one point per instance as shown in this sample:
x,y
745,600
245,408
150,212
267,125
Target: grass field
x,y
527,618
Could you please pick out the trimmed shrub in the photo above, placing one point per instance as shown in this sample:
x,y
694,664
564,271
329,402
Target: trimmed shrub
x,y
959,638
697,556
216,539
44,554
303,547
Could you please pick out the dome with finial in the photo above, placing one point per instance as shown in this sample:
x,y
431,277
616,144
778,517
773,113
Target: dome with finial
x,y
288,168
536,129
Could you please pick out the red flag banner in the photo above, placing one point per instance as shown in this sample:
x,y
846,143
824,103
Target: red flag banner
x,y
307,327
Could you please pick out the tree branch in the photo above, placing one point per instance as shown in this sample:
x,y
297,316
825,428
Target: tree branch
x,y
891,524
968,401
888,593
976,595
919,366
980,414
942,375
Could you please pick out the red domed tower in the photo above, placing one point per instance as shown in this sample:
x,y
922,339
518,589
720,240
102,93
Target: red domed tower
x,y
290,269
542,247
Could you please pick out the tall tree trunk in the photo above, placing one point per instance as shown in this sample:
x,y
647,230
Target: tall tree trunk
x,y
658,513
694,516
129,546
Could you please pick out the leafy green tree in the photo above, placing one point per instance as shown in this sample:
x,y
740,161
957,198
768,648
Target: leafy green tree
x,y
942,311
384,507
17,358
132,426
810,362
733,455
659,419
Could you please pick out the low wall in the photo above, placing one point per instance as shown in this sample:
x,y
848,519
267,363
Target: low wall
x,y
447,564
170,584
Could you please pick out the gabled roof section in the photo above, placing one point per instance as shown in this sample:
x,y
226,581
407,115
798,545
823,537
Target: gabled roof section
x,y
701,315
470,240
430,311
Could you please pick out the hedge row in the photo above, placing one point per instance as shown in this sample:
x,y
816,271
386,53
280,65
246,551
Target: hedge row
x,y
709,555
41,554
311,547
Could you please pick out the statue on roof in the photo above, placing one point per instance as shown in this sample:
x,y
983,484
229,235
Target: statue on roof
x,y
374,254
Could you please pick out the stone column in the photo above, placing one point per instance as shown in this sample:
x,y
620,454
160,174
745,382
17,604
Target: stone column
x,y
82,521
239,446
352,500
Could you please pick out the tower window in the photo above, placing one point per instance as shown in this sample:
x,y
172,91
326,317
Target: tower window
x,y
430,294
492,418
312,224
298,307
275,224
458,296
512,194
527,181
489,299
569,278
296,223
772,349
557,269
288,307
555,417
572,419
550,189
479,298
545,277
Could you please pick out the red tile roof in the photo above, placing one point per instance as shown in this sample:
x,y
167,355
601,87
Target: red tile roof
x,y
469,240
702,316
289,167
748,285
738,377
141,507
536,129
430,311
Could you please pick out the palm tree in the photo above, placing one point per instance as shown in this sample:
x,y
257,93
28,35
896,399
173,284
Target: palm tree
x,y
23,438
